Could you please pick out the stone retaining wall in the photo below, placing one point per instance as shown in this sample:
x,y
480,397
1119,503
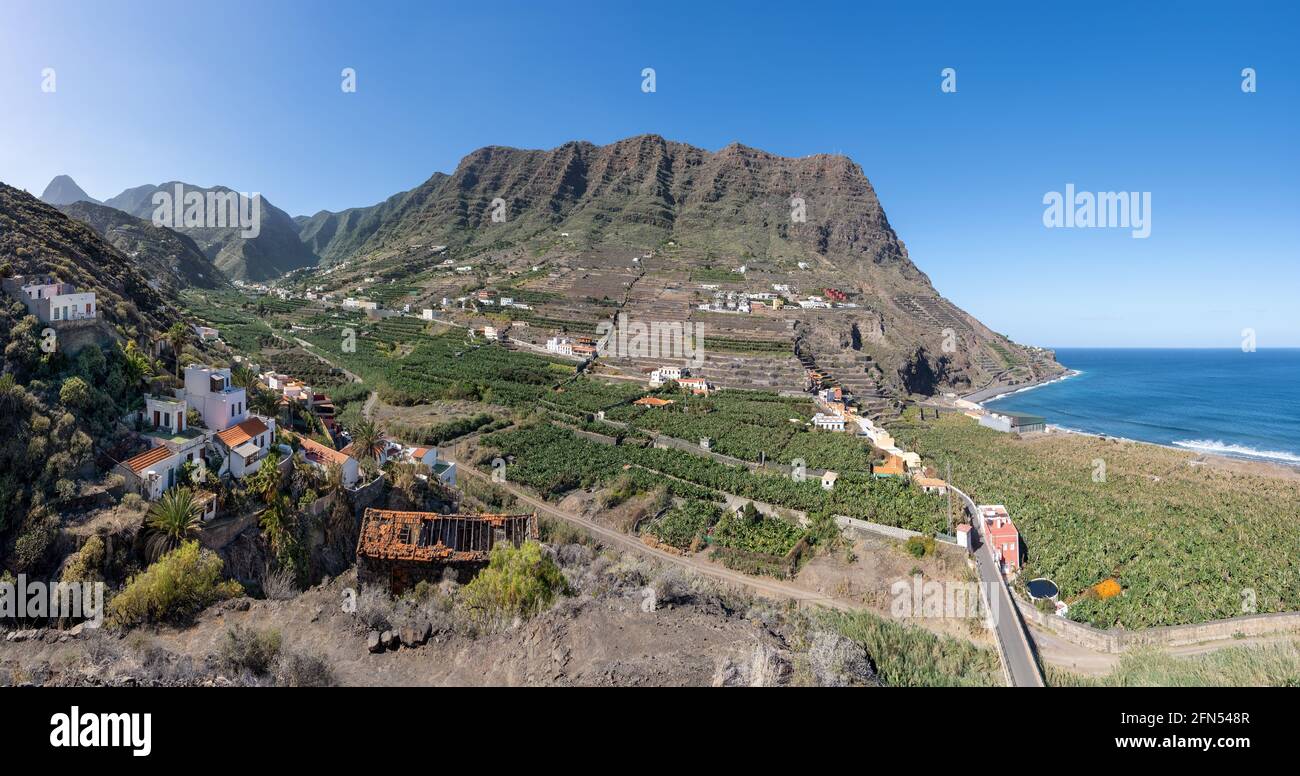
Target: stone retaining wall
x,y
1119,640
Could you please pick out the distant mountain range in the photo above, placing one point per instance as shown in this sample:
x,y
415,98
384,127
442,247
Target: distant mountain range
x,y
273,252
164,254
815,219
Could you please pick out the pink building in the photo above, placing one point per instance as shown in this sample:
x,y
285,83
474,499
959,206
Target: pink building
x,y
1002,536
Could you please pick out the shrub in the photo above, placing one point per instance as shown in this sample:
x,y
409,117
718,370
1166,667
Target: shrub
x,y
74,393
33,546
246,649
87,564
920,546
181,584
296,669
519,581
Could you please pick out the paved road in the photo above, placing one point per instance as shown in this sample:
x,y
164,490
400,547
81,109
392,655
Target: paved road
x,y
624,541
1009,629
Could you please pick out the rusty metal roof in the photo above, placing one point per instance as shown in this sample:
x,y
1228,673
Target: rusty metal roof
x,y
421,536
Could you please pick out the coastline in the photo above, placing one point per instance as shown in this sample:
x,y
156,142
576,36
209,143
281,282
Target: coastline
x,y
992,392
1242,464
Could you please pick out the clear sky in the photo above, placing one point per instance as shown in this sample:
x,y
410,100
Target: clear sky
x,y
1107,96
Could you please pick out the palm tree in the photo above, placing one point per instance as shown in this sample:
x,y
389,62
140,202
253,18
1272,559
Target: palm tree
x,y
176,337
265,482
264,403
172,519
135,363
242,377
275,525
366,439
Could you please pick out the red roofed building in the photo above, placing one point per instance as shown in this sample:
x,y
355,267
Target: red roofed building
x,y
1002,536
319,455
696,385
244,445
153,471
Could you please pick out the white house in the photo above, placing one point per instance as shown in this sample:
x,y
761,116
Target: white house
x,y
828,422
560,345
445,471
244,445
207,333
173,444
321,456
51,300
828,480
219,403
152,472
161,412
663,374
696,385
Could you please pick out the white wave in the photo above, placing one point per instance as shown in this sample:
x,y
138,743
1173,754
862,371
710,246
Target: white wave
x,y
1223,448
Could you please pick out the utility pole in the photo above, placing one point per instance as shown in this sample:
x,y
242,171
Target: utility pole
x,y
949,489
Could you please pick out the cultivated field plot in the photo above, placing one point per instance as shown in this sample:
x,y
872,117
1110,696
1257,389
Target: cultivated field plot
x,y
1187,543
555,461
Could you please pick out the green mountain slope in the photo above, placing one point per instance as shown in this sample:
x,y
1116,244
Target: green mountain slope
x,y
163,254
273,252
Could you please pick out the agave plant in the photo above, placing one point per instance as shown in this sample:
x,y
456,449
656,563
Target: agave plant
x,y
172,519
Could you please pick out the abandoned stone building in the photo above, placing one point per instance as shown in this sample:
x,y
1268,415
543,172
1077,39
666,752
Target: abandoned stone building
x,y
400,549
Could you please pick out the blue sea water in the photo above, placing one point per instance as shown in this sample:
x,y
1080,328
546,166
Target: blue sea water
x,y
1221,401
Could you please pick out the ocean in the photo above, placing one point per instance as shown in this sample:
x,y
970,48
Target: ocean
x,y
1221,401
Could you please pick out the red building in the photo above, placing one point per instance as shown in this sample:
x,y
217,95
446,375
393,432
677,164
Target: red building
x,y
1002,536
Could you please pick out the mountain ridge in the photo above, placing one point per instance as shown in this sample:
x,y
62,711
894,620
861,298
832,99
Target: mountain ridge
x,y
275,250
813,222
168,255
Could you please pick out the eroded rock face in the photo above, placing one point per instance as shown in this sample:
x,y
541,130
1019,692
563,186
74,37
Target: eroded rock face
x,y
926,373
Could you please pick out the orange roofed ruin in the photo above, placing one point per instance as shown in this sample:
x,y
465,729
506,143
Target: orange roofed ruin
x,y
400,549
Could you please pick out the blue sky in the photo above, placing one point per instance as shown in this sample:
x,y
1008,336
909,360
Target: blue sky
x,y
1108,98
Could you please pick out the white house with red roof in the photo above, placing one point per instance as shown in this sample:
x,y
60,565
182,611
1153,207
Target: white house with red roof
x,y
322,457
172,443
445,471
244,445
